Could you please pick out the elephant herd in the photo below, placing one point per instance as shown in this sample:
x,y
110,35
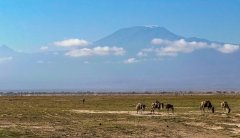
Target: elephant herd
x,y
140,107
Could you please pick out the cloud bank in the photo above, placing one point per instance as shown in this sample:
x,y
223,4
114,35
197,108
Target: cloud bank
x,y
130,61
96,51
44,48
228,48
5,59
173,48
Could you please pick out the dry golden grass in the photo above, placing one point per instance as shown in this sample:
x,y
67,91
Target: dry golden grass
x,y
114,116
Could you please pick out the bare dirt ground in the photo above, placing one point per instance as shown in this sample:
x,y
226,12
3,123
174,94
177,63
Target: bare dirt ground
x,y
190,128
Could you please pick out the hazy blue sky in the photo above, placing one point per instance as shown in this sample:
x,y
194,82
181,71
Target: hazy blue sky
x,y
29,24
60,35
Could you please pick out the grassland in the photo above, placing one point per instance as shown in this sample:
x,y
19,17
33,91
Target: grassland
x,y
62,116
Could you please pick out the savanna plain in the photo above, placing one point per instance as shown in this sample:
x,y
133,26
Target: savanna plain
x,y
114,115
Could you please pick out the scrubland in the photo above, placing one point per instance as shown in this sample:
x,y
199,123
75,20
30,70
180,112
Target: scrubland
x,y
115,116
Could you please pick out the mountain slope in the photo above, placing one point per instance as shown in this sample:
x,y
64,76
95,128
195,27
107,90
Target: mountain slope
x,y
4,50
134,38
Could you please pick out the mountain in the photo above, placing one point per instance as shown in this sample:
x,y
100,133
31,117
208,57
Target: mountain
x,y
4,50
186,67
134,38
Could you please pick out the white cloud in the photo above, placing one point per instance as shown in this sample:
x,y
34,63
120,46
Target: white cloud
x,y
98,51
40,62
130,61
173,48
159,41
44,48
71,43
43,62
118,51
178,46
228,48
143,52
5,59
79,52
